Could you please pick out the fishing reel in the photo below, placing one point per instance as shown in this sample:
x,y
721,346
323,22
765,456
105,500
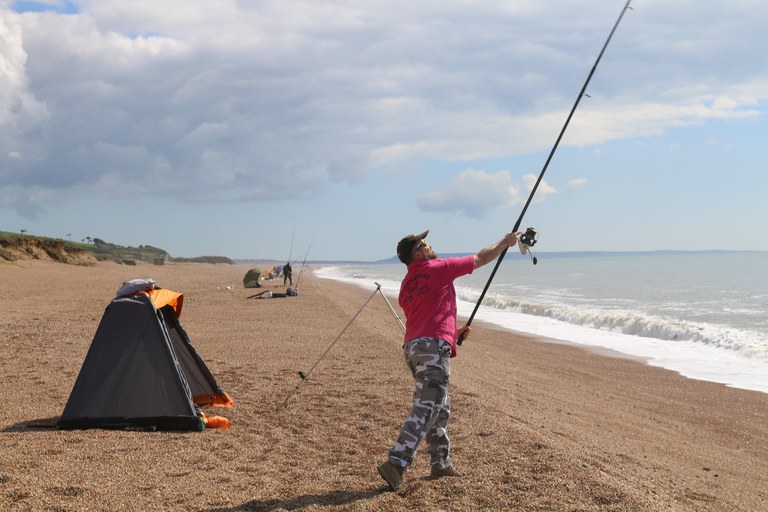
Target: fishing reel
x,y
526,241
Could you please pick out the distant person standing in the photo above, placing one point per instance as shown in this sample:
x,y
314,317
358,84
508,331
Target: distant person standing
x,y
287,274
428,299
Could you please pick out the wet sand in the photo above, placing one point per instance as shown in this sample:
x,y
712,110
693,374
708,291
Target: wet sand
x,y
536,425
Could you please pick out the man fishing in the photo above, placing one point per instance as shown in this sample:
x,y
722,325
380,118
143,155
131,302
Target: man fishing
x,y
428,299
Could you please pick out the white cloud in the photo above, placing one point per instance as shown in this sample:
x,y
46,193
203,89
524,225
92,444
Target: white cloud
x,y
21,113
577,183
279,99
474,193
544,189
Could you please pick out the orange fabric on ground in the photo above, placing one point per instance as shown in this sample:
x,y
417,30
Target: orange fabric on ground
x,y
217,399
216,422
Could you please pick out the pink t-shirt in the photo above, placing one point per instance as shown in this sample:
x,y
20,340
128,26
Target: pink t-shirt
x,y
428,298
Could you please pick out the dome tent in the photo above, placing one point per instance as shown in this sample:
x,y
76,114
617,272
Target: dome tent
x,y
141,369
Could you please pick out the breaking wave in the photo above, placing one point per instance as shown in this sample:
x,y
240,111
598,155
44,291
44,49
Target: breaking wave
x,y
747,343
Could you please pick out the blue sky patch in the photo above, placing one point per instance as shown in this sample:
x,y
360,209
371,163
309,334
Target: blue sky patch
x,y
61,7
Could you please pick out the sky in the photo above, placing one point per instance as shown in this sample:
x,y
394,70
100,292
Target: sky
x,y
286,129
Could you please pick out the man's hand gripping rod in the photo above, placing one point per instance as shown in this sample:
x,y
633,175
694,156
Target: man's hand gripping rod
x,y
544,169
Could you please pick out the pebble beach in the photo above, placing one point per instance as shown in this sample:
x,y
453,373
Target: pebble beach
x,y
536,426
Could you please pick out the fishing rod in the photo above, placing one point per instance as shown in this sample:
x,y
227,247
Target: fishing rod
x,y
302,264
304,376
528,239
290,253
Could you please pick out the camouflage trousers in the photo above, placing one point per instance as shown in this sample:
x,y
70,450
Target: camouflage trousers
x,y
429,360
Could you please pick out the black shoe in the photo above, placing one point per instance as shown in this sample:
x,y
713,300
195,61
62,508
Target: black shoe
x,y
392,473
438,472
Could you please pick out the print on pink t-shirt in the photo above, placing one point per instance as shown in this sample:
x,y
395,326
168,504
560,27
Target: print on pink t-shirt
x,y
428,297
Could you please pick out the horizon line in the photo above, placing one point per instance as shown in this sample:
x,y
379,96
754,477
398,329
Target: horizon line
x,y
394,259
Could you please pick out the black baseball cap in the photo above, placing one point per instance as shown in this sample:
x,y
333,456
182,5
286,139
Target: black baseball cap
x,y
406,246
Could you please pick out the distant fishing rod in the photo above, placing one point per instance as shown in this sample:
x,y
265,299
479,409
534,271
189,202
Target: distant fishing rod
x,y
528,239
290,253
302,264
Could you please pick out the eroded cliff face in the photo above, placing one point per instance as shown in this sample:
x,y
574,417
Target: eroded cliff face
x,y
14,249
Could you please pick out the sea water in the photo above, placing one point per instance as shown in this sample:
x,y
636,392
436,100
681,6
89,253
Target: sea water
x,y
704,315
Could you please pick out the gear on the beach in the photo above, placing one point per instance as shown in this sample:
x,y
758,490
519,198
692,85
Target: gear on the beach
x,y
138,345
304,376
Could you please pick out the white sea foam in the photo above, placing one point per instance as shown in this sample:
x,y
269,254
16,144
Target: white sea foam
x,y
702,331
751,344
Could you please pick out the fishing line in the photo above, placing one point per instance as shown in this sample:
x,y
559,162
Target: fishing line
x,y
582,93
305,375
